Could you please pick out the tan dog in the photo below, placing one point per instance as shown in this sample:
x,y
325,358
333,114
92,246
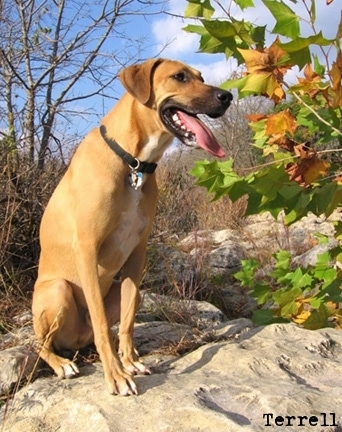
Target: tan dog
x,y
98,219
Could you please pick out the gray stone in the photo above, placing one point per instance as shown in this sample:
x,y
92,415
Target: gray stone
x,y
310,257
199,314
16,364
279,370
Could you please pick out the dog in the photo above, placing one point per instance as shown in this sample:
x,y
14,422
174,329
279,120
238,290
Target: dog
x,y
97,221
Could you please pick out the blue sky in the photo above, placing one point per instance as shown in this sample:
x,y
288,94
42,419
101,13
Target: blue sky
x,y
164,33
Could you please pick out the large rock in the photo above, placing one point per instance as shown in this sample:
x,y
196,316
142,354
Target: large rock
x,y
257,376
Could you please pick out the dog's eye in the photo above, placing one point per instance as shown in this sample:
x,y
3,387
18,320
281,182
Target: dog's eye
x,y
180,76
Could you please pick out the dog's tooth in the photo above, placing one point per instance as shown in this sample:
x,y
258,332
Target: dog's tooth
x,y
175,117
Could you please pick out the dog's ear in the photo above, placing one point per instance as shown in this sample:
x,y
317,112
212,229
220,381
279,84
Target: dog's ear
x,y
137,79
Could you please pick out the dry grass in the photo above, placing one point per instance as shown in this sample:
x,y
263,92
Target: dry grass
x,y
25,190
184,207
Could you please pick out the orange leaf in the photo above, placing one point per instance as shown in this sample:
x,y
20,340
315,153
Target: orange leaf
x,y
269,65
256,61
282,122
301,317
336,78
310,84
310,74
282,141
307,170
303,151
255,117
315,169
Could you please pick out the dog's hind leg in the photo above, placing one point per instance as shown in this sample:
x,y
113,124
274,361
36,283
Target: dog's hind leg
x,y
59,324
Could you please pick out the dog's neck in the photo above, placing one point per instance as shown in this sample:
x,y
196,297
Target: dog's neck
x,y
154,147
146,145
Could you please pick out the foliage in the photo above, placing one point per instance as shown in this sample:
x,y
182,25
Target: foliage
x,y
307,296
301,139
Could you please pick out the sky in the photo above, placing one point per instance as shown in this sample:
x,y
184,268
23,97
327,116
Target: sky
x,y
162,35
183,46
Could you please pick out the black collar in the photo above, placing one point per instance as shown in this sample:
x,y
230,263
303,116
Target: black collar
x,y
134,163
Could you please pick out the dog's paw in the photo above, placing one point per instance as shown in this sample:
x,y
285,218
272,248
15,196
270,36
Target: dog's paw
x,y
68,370
123,385
136,367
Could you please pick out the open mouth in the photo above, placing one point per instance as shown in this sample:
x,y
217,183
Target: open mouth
x,y
190,130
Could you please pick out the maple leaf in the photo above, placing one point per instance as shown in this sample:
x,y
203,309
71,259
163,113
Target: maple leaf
x,y
282,141
266,69
301,317
282,122
309,84
336,78
255,117
303,151
316,169
308,168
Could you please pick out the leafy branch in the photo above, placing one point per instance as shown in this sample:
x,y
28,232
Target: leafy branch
x,y
300,140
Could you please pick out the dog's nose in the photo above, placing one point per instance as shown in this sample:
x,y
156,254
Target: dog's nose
x,y
224,96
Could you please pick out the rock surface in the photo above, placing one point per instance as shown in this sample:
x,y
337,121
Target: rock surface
x,y
228,385
210,373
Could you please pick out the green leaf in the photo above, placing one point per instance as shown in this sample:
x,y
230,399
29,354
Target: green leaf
x,y
318,318
265,317
331,291
318,67
246,274
283,258
286,299
287,22
299,48
198,29
220,29
199,8
243,4
325,199
300,279
300,43
261,293
322,238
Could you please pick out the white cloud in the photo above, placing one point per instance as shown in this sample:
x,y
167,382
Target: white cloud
x,y
215,72
171,40
174,43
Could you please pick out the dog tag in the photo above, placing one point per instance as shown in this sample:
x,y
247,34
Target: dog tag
x,y
136,179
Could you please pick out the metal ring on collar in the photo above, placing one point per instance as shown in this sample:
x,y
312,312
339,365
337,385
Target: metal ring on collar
x,y
137,165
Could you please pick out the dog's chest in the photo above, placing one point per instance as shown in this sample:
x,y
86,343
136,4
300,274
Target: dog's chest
x,y
131,225
126,235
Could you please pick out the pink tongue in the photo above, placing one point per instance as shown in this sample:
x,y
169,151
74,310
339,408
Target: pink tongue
x,y
204,136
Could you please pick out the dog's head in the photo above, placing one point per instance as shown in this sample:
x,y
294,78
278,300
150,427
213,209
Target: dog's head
x,y
178,94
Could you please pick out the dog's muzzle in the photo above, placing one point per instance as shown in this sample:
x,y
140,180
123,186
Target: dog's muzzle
x,y
183,123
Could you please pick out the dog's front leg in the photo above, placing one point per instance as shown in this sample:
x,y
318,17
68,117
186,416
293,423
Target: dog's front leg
x,y
117,379
130,301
